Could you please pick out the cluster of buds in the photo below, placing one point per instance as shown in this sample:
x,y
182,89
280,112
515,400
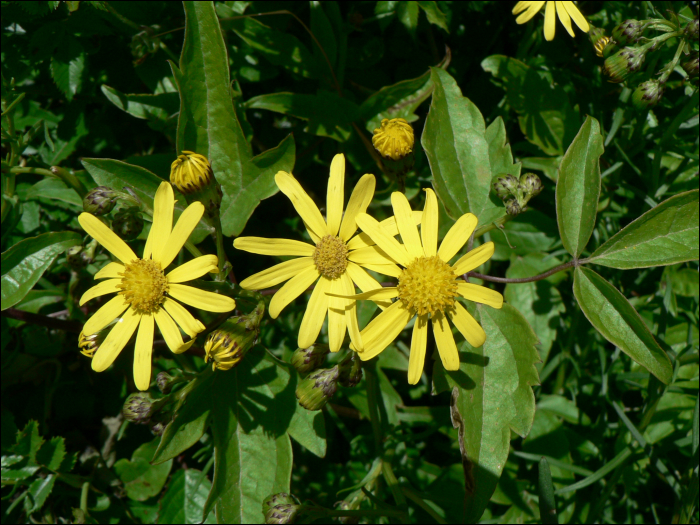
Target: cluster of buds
x,y
516,193
394,141
191,173
226,346
320,385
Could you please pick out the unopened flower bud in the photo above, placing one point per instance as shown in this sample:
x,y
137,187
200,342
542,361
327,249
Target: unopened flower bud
x,y
281,508
628,32
315,391
128,223
691,30
165,382
648,94
158,428
531,185
351,502
100,201
226,346
138,407
690,66
628,60
505,186
602,45
350,371
307,359
513,207
595,33
88,344
192,174
394,139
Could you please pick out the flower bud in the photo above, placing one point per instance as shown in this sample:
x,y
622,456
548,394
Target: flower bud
x,y
128,223
628,60
505,186
226,346
690,66
308,359
691,30
394,139
191,173
648,94
158,428
88,344
601,45
350,371
281,508
165,382
315,391
628,32
531,185
138,407
100,201
595,33
351,502
513,207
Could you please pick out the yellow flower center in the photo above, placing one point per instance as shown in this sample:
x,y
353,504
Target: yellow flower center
x,y
144,285
394,139
428,285
331,256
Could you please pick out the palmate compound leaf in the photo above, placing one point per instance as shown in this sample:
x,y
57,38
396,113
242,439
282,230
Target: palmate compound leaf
x,y
491,395
208,124
617,320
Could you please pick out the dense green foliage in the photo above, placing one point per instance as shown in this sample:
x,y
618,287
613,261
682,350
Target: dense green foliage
x,y
582,404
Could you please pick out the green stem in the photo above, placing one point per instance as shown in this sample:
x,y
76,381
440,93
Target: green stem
x,y
539,277
84,496
373,399
13,104
67,176
495,224
219,236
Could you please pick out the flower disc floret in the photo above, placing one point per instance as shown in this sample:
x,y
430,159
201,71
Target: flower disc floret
x,y
331,256
427,286
144,285
394,139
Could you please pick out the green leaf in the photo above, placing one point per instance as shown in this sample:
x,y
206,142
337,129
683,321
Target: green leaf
x,y
545,114
666,234
407,13
322,29
435,16
68,66
208,122
141,479
491,395
24,263
8,438
54,189
578,187
253,406
37,493
457,149
527,233
160,106
52,453
309,430
29,441
183,501
685,282
615,318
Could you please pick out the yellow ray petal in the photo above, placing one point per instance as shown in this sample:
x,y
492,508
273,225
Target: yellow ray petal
x,y
212,302
530,10
520,6
337,323
365,282
115,341
315,314
564,17
102,288
292,289
183,318
480,294
112,270
142,353
263,246
374,295
335,194
107,313
106,237
457,236
351,313
386,242
577,16
302,203
445,342
467,325
404,220
193,269
429,224
419,342
276,274
163,206
383,329
362,240
370,255
549,21
385,269
181,232
171,333
473,259
359,200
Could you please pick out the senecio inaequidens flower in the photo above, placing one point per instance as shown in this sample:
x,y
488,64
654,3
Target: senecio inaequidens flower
x,y
146,295
566,11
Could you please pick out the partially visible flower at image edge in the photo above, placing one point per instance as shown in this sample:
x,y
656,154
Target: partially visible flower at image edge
x,y
428,285
564,10
146,295
335,264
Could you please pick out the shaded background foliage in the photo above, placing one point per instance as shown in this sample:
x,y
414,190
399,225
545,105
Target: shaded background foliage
x,y
97,84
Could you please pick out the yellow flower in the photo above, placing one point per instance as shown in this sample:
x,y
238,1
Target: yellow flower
x,y
146,295
394,139
190,172
335,262
565,10
222,350
428,285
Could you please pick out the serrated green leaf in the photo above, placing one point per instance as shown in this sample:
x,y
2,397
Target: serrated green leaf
x,y
141,479
208,122
52,453
24,263
578,187
183,501
37,493
68,66
666,234
458,152
491,395
615,318
435,16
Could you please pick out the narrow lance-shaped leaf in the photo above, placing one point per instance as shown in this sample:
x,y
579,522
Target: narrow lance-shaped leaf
x,y
666,234
615,318
578,187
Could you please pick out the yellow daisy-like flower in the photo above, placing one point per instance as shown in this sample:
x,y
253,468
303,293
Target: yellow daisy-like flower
x,y
336,261
428,285
564,10
146,295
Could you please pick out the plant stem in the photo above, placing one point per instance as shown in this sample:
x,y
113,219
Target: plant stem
x,y
495,224
373,398
525,279
84,496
